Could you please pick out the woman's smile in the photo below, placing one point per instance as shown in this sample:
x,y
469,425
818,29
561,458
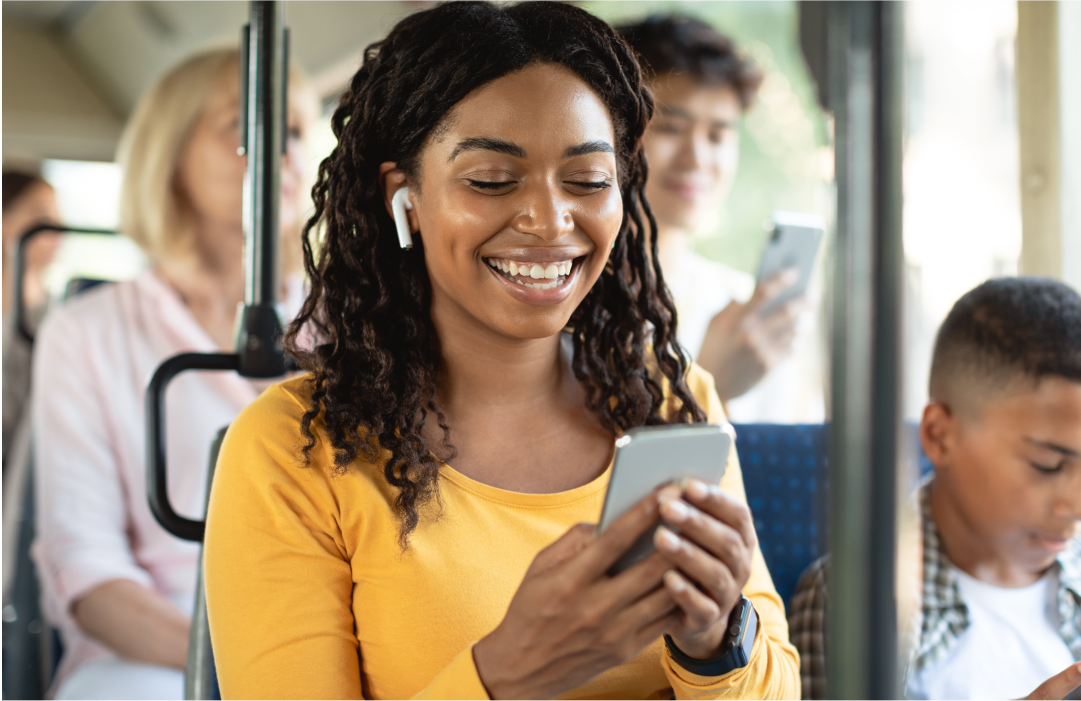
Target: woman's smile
x,y
538,279
533,274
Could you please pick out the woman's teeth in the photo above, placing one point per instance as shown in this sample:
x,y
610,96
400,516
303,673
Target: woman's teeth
x,y
556,272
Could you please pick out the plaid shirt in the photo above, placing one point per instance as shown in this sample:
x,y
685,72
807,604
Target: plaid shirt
x,y
944,616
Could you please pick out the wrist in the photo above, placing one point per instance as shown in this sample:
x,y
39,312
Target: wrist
x,y
492,670
702,647
736,647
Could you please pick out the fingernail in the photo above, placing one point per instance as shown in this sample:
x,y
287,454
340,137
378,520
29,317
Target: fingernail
x,y
674,581
666,540
675,511
698,489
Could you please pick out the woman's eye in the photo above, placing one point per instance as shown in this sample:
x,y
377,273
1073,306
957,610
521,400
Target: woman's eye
x,y
1047,469
590,185
490,185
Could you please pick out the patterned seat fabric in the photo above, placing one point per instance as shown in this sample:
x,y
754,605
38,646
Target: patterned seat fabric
x,y
785,474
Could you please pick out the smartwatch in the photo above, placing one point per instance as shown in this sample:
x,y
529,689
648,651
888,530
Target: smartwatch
x,y
735,648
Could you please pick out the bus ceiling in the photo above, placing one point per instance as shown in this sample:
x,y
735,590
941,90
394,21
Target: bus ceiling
x,y
74,70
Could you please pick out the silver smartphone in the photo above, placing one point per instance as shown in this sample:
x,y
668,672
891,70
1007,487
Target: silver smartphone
x,y
794,243
649,457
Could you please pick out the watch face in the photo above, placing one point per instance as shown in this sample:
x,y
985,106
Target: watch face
x,y
750,627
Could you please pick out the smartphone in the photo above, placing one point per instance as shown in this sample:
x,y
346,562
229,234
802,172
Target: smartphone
x,y
794,243
649,457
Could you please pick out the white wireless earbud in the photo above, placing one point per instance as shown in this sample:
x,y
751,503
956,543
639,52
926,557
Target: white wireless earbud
x,y
400,204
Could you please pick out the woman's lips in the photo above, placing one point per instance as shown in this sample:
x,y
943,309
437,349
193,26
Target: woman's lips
x,y
535,283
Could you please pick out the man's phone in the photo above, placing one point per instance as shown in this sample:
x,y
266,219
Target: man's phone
x,y
649,457
794,243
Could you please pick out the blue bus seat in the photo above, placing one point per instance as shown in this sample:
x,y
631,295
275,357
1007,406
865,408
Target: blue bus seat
x,y
786,476
785,473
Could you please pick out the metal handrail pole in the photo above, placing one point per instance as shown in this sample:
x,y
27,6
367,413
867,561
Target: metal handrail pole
x,y
157,485
265,73
22,326
259,338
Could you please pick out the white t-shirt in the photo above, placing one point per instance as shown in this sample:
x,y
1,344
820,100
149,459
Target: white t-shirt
x,y
790,393
1012,644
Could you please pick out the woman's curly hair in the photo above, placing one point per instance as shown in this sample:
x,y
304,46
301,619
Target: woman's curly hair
x,y
376,356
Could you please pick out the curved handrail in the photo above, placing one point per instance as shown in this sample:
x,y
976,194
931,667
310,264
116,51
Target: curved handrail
x,y
21,325
157,490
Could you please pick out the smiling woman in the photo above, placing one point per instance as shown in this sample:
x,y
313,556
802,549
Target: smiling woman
x,y
407,518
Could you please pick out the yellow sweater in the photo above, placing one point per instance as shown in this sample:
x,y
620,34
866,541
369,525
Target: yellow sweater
x,y
310,596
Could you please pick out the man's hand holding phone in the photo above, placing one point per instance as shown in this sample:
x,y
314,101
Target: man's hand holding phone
x,y
711,555
744,341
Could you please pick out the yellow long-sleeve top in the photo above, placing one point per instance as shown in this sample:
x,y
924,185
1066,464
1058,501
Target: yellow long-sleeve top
x,y
311,596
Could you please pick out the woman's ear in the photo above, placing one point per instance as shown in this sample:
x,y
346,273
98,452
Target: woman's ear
x,y
391,180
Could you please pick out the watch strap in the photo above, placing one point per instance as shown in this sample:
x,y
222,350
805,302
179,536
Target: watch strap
x,y
735,649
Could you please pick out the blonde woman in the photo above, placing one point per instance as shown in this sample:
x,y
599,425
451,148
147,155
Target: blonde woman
x,y
116,584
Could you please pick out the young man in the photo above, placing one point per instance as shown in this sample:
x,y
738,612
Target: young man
x,y
703,86
1001,592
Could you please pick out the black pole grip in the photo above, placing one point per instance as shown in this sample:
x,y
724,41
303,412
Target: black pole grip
x,y
21,324
157,490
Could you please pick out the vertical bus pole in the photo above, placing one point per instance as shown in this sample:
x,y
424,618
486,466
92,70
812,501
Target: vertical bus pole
x,y
864,92
264,83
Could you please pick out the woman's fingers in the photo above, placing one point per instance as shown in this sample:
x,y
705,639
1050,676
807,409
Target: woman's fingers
x,y
610,545
648,633
650,608
701,611
712,500
636,581
577,538
717,580
719,540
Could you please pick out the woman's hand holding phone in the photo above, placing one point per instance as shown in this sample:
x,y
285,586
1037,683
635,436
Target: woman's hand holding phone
x,y
712,553
569,621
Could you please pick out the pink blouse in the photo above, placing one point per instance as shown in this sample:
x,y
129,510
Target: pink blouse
x,y
92,362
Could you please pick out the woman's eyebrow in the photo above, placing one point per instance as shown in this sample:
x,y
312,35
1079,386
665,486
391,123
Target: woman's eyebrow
x,y
589,147
482,143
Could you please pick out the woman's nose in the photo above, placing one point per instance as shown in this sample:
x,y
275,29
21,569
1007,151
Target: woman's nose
x,y
545,214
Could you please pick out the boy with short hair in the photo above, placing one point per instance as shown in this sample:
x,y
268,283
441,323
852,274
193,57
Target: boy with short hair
x,y
1001,594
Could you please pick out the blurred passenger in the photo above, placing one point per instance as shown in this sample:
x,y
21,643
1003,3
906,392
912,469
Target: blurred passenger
x,y
703,85
119,587
1001,595
28,201
408,518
